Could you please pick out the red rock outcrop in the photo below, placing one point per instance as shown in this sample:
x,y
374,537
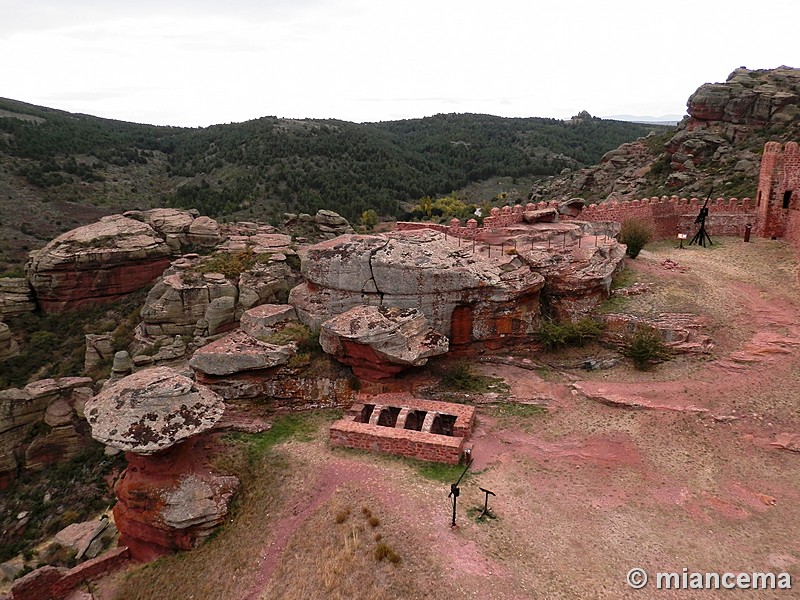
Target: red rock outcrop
x,y
170,501
379,342
577,278
96,263
467,296
167,498
681,332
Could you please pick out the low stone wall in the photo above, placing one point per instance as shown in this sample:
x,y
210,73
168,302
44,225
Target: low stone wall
x,y
54,583
673,215
668,216
396,438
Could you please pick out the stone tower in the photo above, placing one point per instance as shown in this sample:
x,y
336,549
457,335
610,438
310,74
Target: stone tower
x,y
778,188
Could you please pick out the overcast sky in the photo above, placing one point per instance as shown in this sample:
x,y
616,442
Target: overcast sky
x,y
199,62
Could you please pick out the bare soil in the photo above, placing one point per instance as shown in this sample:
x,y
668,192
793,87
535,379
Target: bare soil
x,y
585,491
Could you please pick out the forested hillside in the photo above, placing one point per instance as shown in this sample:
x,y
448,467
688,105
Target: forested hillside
x,y
51,160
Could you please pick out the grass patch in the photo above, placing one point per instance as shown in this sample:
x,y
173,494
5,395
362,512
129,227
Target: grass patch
x,y
510,409
302,427
325,561
625,278
231,264
441,472
462,378
476,514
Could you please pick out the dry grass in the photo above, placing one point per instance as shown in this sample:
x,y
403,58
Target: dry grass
x,y
326,560
225,566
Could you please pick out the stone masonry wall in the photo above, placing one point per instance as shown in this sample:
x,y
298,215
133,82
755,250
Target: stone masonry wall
x,y
779,177
53,583
668,216
422,445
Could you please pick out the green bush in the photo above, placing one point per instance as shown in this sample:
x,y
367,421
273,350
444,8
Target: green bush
x,y
645,348
554,334
635,233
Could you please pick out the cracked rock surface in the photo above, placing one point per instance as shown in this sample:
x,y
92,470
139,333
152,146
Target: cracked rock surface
x,y
151,410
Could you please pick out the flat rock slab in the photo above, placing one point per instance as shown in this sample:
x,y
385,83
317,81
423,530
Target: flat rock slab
x,y
262,320
151,410
630,397
238,352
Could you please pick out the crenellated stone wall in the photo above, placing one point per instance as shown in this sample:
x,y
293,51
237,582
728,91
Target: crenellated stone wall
x,y
668,216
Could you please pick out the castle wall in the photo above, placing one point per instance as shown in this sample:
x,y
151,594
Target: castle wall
x,y
779,175
667,216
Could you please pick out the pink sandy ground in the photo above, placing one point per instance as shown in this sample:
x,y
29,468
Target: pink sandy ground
x,y
686,466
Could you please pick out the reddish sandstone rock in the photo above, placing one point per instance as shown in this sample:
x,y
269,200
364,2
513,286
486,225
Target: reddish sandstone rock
x,y
577,279
679,331
167,498
151,410
238,352
465,295
170,501
96,263
379,342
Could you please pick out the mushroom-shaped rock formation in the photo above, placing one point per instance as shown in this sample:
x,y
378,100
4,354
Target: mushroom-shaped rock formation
x,y
96,263
151,410
238,352
379,342
167,498
466,295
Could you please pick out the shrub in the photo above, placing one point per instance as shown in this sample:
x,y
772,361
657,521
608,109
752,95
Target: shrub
x,y
554,334
635,233
341,515
645,348
385,551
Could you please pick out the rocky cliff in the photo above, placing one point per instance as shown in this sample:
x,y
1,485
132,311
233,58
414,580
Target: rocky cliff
x,y
42,423
119,254
464,295
716,146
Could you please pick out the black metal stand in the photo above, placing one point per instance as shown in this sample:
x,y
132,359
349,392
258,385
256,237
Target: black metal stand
x,y
455,491
702,235
486,502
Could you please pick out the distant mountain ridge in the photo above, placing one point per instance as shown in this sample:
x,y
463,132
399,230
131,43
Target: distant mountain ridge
x,y
59,169
668,120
